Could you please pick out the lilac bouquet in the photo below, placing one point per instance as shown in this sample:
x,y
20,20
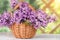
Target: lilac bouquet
x,y
26,14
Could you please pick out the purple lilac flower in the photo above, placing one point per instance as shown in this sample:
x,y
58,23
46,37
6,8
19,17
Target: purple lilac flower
x,y
52,18
24,13
7,19
23,5
17,16
43,19
1,20
37,19
13,3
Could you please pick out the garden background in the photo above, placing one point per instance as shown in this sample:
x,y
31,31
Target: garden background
x,y
49,6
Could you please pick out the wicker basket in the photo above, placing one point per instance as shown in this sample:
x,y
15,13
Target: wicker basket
x,y
23,31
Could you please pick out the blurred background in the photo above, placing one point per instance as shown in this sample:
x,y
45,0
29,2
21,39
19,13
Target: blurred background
x,y
46,5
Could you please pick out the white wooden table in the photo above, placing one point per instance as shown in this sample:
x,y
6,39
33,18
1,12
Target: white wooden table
x,y
10,36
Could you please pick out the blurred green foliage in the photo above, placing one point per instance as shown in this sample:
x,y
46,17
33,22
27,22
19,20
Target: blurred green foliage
x,y
34,4
4,29
4,5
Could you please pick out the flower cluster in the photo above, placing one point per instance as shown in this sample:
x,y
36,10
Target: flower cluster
x,y
6,19
37,19
42,19
26,14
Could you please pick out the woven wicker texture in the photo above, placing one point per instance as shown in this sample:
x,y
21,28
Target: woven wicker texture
x,y
23,30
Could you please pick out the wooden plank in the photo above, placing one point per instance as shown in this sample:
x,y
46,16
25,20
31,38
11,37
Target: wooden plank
x,y
52,31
